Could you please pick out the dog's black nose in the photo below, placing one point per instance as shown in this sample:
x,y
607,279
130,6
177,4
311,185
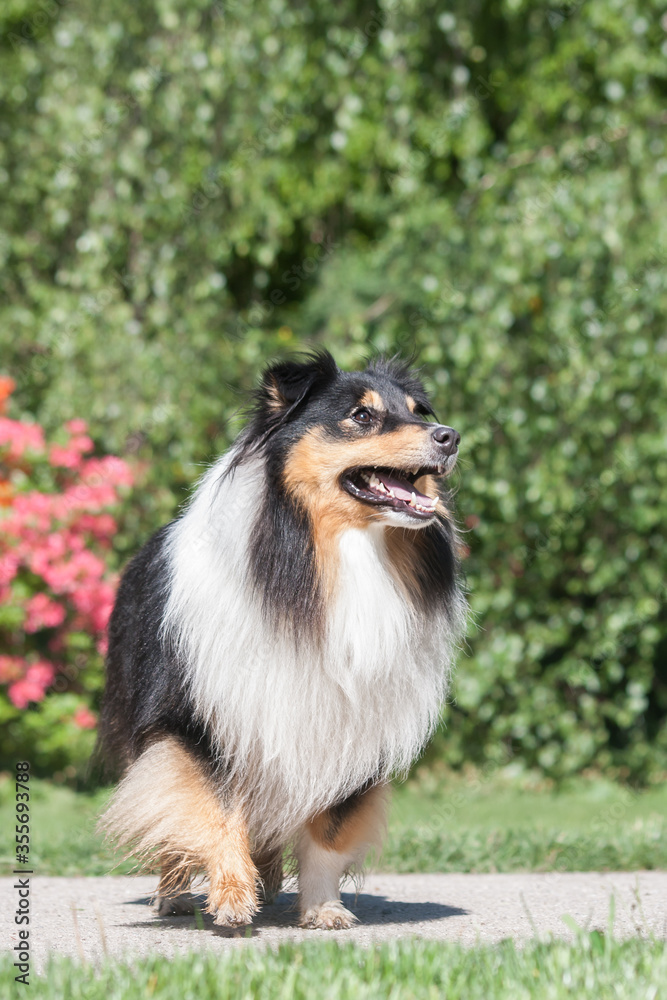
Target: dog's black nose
x,y
447,438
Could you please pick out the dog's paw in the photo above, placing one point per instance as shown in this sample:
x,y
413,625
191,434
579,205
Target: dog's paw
x,y
331,916
176,906
233,905
233,918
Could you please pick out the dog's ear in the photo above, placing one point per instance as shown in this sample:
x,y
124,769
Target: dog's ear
x,y
283,388
287,384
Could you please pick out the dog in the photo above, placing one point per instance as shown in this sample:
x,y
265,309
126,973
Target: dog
x,y
283,648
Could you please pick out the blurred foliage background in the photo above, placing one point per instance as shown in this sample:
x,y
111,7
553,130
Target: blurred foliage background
x,y
193,188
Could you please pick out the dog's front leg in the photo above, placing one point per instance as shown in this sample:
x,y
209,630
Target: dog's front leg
x,y
328,846
167,809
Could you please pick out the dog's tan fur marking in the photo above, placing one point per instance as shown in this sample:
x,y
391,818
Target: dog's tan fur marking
x,y
410,403
232,896
175,876
275,398
312,471
363,827
166,812
374,400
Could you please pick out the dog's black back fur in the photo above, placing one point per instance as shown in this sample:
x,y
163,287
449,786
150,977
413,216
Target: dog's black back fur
x,y
145,692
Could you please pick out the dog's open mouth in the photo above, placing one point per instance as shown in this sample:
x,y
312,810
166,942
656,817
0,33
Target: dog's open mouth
x,y
392,488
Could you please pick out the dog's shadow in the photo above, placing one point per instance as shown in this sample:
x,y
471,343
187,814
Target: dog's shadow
x,y
370,910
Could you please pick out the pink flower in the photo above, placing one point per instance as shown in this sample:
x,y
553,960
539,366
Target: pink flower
x,y
9,565
31,687
65,458
95,602
70,456
89,497
11,668
84,718
74,576
43,552
34,505
20,437
101,613
76,426
109,469
102,526
60,537
75,543
81,442
42,612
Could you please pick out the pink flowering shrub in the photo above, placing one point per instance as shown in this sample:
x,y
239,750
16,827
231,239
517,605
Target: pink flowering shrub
x,y
56,587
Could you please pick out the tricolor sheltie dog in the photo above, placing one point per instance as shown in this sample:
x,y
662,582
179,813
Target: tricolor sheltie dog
x,y
284,646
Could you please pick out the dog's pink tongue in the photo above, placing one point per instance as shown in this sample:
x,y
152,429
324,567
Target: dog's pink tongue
x,y
401,489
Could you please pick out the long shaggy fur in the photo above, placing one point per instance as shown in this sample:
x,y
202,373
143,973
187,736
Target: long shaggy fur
x,y
285,646
300,725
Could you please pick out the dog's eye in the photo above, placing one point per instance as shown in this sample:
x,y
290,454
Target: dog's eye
x,y
362,416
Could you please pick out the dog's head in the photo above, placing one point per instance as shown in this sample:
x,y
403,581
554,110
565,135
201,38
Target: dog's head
x,y
352,448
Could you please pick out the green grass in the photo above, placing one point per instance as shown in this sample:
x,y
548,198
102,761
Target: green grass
x,y
498,825
437,824
593,967
62,831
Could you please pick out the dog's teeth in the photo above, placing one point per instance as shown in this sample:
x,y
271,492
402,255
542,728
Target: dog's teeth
x,y
413,500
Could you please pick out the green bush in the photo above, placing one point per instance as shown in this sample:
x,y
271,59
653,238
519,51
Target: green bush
x,y
196,187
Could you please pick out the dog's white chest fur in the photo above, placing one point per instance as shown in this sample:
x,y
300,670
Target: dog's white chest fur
x,y
300,726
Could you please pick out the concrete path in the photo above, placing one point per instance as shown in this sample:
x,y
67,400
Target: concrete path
x,y
90,916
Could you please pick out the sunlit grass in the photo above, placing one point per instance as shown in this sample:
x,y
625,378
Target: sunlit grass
x,y
593,967
441,823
